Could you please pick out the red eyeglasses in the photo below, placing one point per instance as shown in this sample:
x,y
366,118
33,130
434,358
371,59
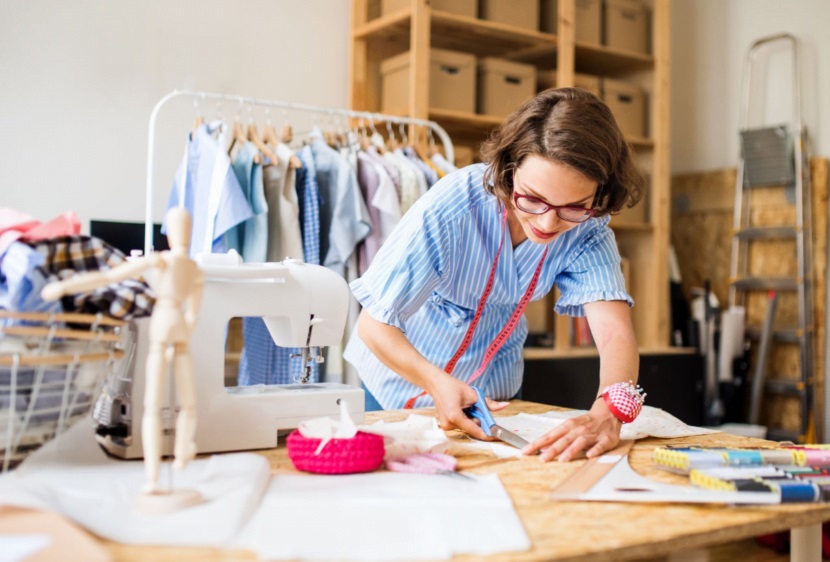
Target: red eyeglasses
x,y
535,206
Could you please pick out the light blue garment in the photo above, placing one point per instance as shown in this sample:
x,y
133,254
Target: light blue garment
x,y
344,218
262,361
21,281
309,196
428,277
430,174
210,191
250,238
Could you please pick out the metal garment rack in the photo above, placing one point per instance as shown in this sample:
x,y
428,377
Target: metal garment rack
x,y
248,101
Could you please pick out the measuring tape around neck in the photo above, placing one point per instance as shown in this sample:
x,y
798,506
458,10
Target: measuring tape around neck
x,y
501,338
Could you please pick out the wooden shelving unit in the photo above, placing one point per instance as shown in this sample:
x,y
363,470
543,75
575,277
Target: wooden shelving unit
x,y
418,28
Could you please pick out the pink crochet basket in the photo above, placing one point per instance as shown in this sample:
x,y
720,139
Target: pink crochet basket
x,y
362,453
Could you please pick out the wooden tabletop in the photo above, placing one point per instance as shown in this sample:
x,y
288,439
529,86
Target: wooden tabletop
x,y
572,531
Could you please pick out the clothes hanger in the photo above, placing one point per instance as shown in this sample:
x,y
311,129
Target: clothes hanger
x,y
402,131
253,136
432,150
363,135
418,147
269,134
200,119
376,138
238,135
392,142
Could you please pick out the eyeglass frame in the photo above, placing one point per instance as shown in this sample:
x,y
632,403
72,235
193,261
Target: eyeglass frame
x,y
589,212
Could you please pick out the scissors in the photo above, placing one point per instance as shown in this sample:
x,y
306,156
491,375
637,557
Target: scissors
x,y
481,412
427,463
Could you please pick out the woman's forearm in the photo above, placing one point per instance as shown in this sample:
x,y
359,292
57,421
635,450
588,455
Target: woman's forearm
x,y
395,351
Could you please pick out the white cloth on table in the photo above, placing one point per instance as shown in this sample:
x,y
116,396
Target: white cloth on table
x,y
364,517
73,476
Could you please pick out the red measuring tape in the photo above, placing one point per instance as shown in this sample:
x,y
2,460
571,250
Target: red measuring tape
x,y
501,338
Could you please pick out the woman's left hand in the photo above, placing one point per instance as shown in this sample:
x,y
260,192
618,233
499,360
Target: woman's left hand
x,y
597,431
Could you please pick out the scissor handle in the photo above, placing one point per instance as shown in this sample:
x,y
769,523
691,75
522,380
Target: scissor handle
x,y
481,412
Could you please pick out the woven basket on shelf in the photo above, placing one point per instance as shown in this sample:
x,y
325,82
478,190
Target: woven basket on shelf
x,y
52,367
362,453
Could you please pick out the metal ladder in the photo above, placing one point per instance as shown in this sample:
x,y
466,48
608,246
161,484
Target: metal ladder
x,y
772,157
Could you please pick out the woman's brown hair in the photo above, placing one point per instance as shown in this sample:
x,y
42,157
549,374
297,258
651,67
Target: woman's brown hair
x,y
573,127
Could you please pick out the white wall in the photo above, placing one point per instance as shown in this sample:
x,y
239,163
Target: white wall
x,y
710,41
78,81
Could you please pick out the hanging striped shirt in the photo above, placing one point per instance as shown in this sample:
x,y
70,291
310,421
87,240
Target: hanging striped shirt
x,y
428,277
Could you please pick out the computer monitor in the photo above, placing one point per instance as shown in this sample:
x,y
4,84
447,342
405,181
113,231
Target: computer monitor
x,y
127,236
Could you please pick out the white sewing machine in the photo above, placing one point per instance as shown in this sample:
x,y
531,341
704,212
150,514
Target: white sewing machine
x,y
302,305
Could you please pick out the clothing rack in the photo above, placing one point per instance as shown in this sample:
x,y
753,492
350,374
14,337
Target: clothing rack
x,y
248,101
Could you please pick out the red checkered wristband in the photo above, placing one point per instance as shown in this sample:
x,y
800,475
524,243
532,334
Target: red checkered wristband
x,y
624,400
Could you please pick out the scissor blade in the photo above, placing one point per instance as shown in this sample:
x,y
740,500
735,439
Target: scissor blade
x,y
508,437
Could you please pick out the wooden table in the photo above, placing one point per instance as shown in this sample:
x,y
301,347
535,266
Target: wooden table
x,y
583,531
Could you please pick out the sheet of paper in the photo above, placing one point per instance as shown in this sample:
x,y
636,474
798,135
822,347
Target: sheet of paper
x,y
652,422
383,516
15,548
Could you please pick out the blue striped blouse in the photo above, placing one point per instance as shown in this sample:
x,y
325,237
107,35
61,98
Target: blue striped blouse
x,y
428,277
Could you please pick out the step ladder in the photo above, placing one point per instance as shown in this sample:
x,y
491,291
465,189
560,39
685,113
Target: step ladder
x,y
775,157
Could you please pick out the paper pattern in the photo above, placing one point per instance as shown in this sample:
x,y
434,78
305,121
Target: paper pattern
x,y
652,422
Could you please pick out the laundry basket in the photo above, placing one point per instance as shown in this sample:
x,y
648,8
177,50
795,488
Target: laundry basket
x,y
52,367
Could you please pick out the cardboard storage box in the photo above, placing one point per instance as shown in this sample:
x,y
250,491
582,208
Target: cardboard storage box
x,y
588,82
452,82
548,16
467,8
626,25
588,27
521,13
504,85
547,79
628,104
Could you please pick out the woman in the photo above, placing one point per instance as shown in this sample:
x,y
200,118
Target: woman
x,y
536,214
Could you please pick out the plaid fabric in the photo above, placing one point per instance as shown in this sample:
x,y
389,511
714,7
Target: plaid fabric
x,y
69,255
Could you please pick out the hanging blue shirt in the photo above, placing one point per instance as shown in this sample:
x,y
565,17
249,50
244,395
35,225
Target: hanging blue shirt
x,y
210,191
428,277
344,218
250,238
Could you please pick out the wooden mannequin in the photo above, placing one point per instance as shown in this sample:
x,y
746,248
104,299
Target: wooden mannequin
x,y
178,286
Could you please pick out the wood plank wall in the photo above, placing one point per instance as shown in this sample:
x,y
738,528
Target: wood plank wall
x,y
701,231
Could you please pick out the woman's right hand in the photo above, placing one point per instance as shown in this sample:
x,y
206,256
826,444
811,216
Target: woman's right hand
x,y
451,396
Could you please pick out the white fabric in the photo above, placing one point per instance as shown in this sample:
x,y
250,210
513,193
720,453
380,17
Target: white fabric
x,y
367,517
415,434
73,476
325,429
383,516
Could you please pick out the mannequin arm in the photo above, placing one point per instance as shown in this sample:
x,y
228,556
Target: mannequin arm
x,y
94,279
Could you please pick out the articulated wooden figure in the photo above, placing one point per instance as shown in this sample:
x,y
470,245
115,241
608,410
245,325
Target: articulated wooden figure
x,y
178,286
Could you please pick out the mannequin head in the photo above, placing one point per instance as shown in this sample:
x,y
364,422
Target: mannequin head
x,y
177,222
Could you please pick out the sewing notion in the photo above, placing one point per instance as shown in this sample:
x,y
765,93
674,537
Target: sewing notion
x,y
481,412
